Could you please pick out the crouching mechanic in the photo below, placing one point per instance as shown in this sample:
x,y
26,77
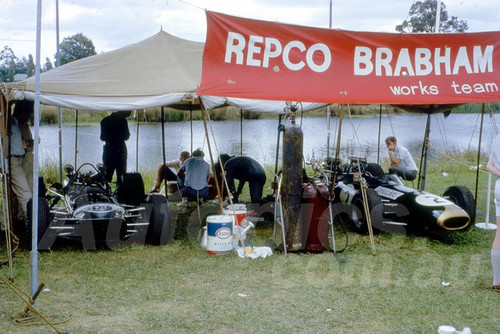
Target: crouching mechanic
x,y
196,172
402,162
244,169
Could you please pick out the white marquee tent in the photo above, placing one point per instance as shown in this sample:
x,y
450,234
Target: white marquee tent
x,y
157,71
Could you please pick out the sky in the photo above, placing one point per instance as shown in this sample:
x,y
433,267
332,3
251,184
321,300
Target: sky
x,y
112,24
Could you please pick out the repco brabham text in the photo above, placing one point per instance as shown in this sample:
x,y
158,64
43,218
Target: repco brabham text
x,y
259,51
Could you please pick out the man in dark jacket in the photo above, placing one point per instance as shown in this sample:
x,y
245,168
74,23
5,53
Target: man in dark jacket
x,y
114,133
244,169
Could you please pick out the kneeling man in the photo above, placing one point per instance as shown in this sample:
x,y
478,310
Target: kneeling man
x,y
402,162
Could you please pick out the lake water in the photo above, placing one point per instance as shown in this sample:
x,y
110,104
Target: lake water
x,y
359,137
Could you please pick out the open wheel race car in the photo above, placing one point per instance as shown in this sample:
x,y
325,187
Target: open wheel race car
x,y
394,207
85,208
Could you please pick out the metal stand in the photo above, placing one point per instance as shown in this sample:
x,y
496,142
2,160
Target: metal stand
x,y
486,224
364,186
278,214
30,305
330,221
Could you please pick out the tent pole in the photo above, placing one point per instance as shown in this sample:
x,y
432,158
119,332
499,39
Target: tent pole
x,y
438,16
241,131
137,143
204,112
330,22
191,121
162,117
479,154
4,109
59,115
328,120
34,217
59,110
337,150
423,159
5,184
378,141
76,139
277,146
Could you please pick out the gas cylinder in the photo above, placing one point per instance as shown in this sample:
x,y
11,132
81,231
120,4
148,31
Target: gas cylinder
x,y
291,185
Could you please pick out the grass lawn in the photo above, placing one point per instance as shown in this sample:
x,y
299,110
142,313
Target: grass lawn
x,y
179,288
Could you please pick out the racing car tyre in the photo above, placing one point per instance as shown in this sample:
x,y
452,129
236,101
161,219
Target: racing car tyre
x,y
462,196
160,230
43,219
131,191
374,169
375,206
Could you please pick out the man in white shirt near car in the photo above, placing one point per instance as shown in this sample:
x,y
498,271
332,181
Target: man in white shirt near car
x,y
402,162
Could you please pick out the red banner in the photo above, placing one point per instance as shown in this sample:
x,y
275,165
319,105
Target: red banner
x,y
274,61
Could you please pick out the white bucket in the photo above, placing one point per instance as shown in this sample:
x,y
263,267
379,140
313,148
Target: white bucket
x,y
237,206
238,213
219,235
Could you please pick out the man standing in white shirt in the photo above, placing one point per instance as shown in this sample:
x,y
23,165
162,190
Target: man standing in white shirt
x,y
402,162
17,150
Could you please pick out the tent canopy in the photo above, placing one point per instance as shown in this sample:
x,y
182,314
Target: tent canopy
x,y
157,71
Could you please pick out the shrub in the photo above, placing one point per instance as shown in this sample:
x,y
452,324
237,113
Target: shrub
x,y
48,117
50,171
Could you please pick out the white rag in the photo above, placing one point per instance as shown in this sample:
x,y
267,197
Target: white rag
x,y
257,252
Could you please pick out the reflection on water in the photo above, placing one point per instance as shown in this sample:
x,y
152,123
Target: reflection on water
x,y
359,136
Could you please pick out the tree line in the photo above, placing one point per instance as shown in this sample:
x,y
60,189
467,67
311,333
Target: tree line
x,y
71,48
421,18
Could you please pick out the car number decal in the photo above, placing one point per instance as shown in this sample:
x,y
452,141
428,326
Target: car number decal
x,y
389,193
432,200
347,192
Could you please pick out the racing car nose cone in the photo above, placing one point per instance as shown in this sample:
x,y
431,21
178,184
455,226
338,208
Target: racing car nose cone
x,y
98,210
453,218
